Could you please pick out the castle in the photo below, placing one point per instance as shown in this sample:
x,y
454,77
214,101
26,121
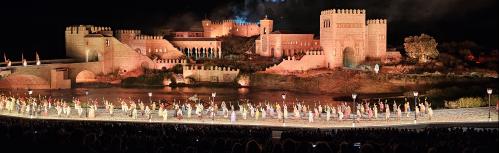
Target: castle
x,y
95,50
346,39
128,50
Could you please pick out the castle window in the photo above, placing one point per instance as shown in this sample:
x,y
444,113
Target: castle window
x,y
107,43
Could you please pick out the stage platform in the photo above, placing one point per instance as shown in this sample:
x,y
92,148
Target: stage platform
x,y
477,117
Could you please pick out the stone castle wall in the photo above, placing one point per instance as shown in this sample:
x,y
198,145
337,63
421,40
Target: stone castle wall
x,y
312,60
279,45
210,74
148,45
199,47
89,43
215,29
48,76
167,64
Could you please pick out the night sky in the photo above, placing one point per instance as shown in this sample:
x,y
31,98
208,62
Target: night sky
x,y
39,25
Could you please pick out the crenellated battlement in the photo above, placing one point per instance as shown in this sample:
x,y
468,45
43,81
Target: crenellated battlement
x,y
376,21
137,32
79,29
307,53
343,11
246,24
230,21
209,68
147,37
290,58
315,52
223,22
171,61
95,29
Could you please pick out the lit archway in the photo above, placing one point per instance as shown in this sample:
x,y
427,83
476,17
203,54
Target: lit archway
x,y
349,57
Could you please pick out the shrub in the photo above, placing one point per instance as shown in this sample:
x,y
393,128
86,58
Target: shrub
x,y
466,102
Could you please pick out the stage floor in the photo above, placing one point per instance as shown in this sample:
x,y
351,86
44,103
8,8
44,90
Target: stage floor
x,y
441,116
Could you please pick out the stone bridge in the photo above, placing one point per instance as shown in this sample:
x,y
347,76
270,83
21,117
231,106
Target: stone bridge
x,y
49,76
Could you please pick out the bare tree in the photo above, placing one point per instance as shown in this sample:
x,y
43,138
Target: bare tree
x,y
421,48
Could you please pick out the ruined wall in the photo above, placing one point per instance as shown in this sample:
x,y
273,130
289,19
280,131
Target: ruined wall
x,y
312,60
124,58
210,74
151,45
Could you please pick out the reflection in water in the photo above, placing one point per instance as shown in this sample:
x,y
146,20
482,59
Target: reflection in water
x,y
243,91
180,93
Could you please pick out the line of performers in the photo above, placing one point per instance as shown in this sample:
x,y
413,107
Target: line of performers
x,y
137,109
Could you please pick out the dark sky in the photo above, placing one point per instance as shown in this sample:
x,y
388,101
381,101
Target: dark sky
x,y
39,24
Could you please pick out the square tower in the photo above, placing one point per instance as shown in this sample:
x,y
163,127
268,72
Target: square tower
x,y
376,34
343,37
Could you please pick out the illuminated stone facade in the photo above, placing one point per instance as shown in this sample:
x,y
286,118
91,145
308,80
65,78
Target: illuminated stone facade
x,y
346,39
215,29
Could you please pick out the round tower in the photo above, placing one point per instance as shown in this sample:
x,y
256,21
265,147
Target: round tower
x,y
266,26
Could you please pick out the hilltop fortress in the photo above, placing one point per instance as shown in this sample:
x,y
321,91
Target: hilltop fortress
x,y
346,39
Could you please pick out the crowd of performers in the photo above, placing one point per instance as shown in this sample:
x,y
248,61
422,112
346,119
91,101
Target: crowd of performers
x,y
137,109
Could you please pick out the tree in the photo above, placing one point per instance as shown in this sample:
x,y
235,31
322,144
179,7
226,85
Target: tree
x,y
421,47
177,69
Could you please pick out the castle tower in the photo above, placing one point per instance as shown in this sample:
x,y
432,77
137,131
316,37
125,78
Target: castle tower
x,y
343,37
376,34
263,44
127,36
266,26
206,27
75,42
